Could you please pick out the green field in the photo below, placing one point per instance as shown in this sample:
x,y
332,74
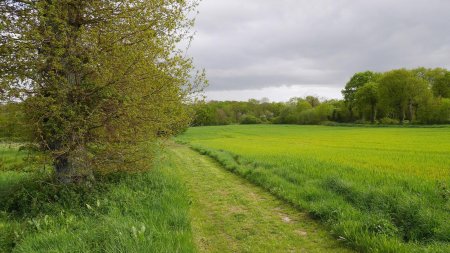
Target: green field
x,y
321,189
377,189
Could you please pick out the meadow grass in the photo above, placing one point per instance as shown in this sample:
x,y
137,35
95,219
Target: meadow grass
x,y
378,189
10,157
143,212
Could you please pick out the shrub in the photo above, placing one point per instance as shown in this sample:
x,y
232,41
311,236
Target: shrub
x,y
329,123
360,121
389,121
250,119
435,112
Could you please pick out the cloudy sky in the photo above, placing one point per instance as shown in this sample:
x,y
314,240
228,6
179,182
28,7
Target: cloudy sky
x,y
284,48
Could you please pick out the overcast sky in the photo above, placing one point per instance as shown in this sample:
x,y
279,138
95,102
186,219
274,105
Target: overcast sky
x,y
284,48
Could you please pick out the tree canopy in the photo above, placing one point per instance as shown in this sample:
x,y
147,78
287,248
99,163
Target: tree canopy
x,y
357,81
401,91
368,96
98,78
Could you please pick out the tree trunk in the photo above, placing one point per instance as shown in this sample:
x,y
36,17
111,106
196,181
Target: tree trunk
x,y
351,113
410,112
74,167
64,169
372,114
402,115
375,112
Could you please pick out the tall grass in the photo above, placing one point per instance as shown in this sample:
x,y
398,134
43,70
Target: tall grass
x,y
10,157
144,212
378,189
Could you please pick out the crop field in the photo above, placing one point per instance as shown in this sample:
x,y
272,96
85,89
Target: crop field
x,y
376,189
337,189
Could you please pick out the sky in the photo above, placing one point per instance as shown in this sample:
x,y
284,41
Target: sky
x,y
291,48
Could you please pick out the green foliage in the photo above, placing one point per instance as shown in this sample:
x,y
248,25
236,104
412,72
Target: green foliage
x,y
308,110
389,121
399,93
204,115
441,86
438,78
402,92
313,101
367,96
12,157
376,196
357,81
97,77
436,111
249,120
13,122
303,105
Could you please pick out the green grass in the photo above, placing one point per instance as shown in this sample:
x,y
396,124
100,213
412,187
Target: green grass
x,y
11,167
378,189
144,212
10,157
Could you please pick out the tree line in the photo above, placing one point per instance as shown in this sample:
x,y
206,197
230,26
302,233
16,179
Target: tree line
x,y
399,96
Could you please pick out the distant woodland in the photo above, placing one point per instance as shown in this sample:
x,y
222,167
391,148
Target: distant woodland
x,y
420,96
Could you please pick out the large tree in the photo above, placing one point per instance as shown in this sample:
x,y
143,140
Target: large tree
x,y
441,84
367,96
402,91
438,78
357,81
99,78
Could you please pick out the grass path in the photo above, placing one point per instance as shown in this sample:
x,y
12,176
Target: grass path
x,y
229,214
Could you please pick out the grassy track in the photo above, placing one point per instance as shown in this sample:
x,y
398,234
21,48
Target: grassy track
x,y
231,215
379,189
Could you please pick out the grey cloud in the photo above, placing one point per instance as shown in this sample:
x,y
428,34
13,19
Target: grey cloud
x,y
254,44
